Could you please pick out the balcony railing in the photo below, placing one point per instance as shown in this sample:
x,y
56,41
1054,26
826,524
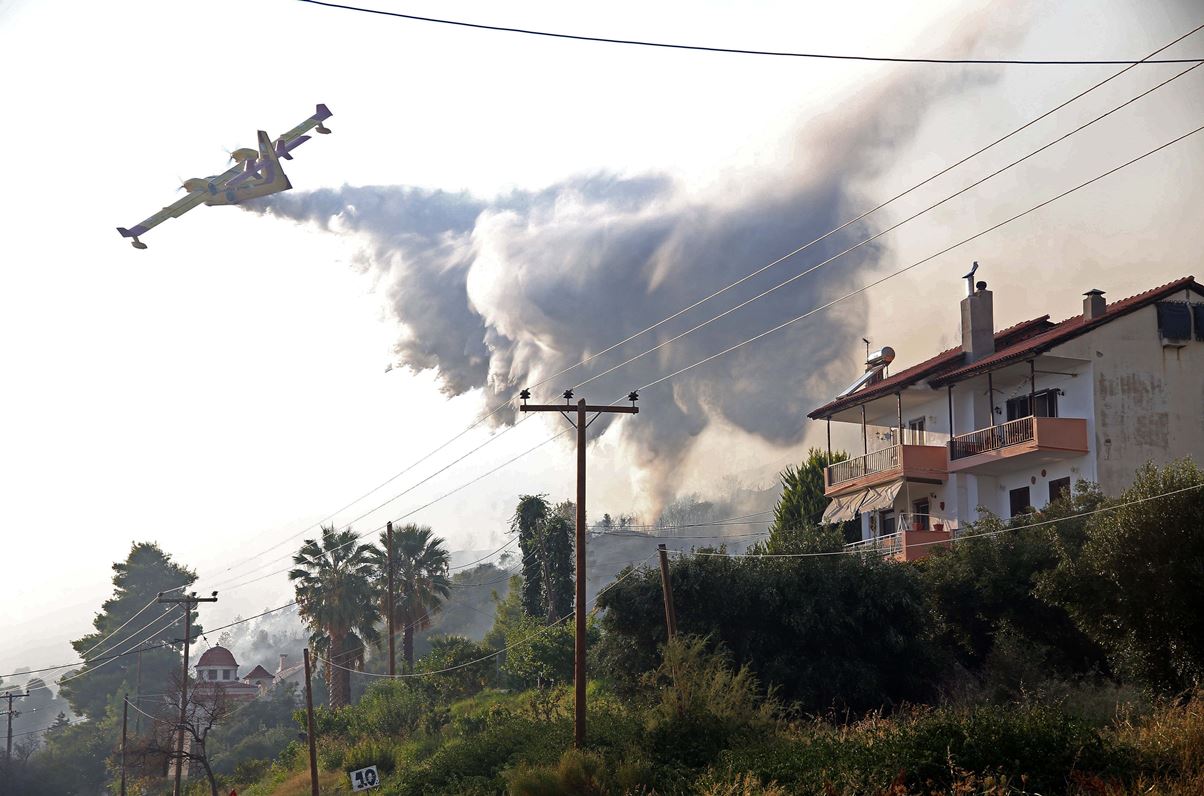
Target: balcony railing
x,y
889,545
876,462
1014,432
919,535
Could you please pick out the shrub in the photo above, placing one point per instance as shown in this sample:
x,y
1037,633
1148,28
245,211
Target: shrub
x,y
381,754
701,702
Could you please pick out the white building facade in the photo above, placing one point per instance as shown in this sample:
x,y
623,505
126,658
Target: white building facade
x,y
1011,419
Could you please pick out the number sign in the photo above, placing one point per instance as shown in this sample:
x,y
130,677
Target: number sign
x,y
364,778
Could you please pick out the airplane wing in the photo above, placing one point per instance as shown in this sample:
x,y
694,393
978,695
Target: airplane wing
x,y
178,208
296,136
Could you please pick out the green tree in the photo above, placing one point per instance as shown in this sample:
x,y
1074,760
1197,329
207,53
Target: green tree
x,y
336,595
541,655
128,621
1135,583
528,521
558,565
800,509
984,590
546,540
420,581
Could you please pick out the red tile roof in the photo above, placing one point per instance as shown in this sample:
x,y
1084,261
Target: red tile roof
x,y
1015,342
1066,330
217,656
944,361
259,673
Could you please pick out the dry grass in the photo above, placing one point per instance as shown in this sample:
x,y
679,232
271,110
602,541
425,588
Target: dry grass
x,y
298,784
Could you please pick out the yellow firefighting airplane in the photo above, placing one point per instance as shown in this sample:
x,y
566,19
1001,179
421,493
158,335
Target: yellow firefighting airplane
x,y
255,173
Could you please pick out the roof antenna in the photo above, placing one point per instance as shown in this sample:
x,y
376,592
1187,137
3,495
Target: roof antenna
x,y
867,349
970,279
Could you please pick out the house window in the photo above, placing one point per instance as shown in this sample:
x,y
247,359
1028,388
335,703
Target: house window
x,y
1059,488
915,429
1019,501
919,519
225,674
212,674
1045,402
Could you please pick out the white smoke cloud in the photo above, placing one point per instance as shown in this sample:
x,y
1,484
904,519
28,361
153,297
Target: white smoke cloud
x,y
497,294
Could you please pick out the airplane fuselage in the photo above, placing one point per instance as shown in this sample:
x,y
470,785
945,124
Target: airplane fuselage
x,y
233,194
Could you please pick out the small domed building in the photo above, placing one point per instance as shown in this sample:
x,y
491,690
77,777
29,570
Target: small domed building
x,y
217,670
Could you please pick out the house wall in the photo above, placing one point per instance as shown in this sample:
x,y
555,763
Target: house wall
x,y
1148,400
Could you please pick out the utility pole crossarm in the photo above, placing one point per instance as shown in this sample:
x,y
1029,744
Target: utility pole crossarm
x,y
626,410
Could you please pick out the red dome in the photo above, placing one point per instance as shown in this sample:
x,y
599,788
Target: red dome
x,y
217,656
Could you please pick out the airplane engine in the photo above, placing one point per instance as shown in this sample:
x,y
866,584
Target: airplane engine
x,y
196,184
244,154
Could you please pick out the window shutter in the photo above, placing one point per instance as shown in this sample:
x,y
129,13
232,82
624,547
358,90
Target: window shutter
x,y
1174,322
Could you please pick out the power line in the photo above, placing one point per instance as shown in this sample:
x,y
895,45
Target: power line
x,y
85,653
883,232
682,370
518,643
379,528
961,538
746,51
420,508
381,485
500,406
946,250
774,329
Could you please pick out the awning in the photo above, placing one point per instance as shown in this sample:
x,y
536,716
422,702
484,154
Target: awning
x,y
880,497
843,507
874,498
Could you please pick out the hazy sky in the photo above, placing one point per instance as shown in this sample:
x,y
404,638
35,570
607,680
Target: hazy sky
x,y
225,389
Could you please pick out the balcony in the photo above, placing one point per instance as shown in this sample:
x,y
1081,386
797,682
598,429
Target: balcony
x,y
888,464
921,536
1022,442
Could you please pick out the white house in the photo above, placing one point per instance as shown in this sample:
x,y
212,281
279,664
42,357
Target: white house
x,y
1010,419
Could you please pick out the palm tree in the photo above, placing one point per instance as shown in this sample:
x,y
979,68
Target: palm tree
x,y
336,595
420,581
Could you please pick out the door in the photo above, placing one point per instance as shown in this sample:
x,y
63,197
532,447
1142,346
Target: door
x,y
915,431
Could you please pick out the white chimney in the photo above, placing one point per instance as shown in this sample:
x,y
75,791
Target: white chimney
x,y
1094,305
283,664
978,324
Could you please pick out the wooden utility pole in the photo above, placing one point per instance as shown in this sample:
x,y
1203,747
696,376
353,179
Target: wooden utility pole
x,y
667,589
581,425
125,714
138,694
8,745
189,601
309,729
392,603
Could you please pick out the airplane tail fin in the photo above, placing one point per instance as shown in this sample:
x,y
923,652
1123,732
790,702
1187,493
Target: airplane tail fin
x,y
271,163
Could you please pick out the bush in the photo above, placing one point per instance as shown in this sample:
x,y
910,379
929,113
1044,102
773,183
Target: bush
x,y
933,749
841,631
1134,584
381,754
701,703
